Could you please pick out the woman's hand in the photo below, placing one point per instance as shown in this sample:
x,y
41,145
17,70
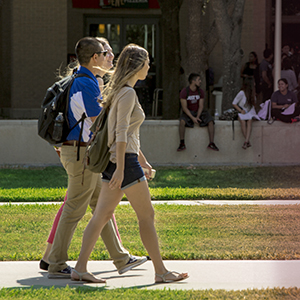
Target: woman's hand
x,y
144,164
148,167
243,112
116,179
118,175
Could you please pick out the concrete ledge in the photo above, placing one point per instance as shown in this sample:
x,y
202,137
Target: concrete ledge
x,y
276,144
21,145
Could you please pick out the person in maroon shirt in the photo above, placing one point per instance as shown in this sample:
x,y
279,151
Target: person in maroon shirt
x,y
192,103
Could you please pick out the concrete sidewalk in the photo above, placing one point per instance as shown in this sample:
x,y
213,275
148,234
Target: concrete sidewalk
x,y
190,202
212,274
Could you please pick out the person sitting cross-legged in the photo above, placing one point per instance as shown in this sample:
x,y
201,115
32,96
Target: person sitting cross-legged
x,y
192,103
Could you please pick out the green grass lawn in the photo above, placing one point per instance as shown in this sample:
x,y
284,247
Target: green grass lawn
x,y
224,183
87,293
185,232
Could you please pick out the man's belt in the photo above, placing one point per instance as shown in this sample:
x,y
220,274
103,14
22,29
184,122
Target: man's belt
x,y
74,143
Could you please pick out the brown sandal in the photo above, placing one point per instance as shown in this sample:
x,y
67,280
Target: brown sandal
x,y
87,280
164,280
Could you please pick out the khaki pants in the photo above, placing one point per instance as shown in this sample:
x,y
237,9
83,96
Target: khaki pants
x,y
79,197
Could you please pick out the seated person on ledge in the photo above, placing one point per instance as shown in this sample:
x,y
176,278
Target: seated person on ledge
x,y
285,104
192,103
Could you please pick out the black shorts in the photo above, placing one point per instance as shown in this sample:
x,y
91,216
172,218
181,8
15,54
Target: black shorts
x,y
205,118
133,172
277,115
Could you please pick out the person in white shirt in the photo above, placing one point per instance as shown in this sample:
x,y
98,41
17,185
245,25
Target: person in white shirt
x,y
244,103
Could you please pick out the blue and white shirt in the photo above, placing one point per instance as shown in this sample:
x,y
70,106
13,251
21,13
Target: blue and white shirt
x,y
83,98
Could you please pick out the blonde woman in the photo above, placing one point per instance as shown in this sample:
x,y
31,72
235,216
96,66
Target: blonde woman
x,y
124,172
120,256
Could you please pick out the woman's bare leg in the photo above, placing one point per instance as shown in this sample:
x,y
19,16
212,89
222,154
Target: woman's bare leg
x,y
243,127
139,197
211,131
107,202
248,131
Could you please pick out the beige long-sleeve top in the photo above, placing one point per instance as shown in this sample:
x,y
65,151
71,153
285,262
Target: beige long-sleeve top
x,y
124,120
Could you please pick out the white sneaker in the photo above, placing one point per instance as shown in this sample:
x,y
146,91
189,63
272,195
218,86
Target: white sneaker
x,y
133,262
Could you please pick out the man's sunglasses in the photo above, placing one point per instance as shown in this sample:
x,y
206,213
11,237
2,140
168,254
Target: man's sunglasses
x,y
104,53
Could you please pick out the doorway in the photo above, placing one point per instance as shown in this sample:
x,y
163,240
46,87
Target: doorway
x,y
141,31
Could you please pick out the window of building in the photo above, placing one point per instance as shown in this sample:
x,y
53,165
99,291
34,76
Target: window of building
x,y
289,7
141,31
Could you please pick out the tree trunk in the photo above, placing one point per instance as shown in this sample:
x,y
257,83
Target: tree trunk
x,y
193,60
199,43
229,24
171,57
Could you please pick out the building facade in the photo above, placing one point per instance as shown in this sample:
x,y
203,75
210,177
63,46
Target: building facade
x,y
38,36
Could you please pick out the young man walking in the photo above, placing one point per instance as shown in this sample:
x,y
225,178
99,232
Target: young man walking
x,y
83,98
192,104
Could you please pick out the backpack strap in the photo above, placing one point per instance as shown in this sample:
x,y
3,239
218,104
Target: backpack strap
x,y
80,134
81,120
83,117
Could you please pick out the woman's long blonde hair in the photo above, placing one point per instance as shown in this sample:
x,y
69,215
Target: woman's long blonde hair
x,y
130,61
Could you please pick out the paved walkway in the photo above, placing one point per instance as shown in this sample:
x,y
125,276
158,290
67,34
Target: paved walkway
x,y
210,274
228,275
194,202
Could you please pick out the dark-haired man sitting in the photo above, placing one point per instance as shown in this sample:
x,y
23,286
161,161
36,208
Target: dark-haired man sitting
x,y
192,103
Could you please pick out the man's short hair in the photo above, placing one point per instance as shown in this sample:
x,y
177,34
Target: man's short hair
x,y
193,76
267,53
85,48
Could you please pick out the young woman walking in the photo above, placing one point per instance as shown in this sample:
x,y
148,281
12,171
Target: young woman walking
x,y
124,172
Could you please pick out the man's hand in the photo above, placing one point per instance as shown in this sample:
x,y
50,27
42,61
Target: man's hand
x,y
196,120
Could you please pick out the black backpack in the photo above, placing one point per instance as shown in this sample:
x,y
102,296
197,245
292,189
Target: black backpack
x,y
57,100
